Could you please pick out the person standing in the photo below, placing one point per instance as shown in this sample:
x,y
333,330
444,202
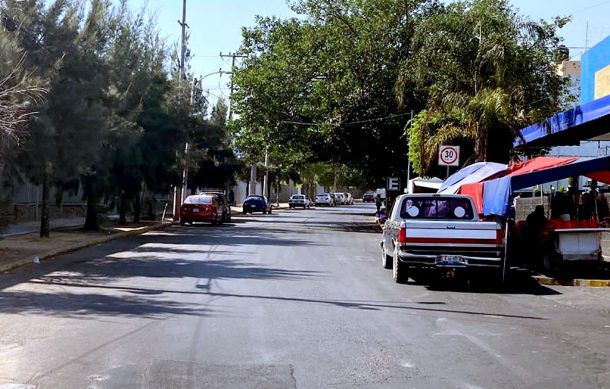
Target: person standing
x,y
535,225
378,202
231,197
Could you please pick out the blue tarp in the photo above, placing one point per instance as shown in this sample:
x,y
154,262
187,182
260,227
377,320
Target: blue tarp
x,y
470,174
586,121
497,192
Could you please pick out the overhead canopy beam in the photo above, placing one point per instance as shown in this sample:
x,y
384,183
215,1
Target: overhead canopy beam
x,y
589,121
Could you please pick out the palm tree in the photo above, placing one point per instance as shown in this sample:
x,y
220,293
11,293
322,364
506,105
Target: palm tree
x,y
486,72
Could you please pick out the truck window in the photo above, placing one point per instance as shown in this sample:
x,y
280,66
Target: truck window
x,y
436,208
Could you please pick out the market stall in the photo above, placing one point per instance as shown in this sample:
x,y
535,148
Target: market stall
x,y
571,233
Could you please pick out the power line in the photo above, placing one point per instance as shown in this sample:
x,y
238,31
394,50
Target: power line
x,y
589,8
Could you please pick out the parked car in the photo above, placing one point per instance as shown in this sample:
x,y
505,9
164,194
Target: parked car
x,y
441,232
341,199
325,199
335,200
201,208
348,198
256,203
368,197
223,202
299,201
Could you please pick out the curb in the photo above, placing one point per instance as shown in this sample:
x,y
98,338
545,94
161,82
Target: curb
x,y
580,282
53,253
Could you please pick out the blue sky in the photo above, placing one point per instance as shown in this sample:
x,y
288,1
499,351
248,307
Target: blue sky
x,y
215,26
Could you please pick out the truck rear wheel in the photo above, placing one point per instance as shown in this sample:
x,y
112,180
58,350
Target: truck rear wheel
x,y
399,270
386,260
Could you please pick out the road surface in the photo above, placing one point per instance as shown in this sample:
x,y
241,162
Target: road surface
x,y
296,299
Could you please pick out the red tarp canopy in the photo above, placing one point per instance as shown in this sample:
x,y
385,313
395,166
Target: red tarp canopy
x,y
533,165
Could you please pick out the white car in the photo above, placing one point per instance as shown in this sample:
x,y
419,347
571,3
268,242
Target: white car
x,y
299,201
340,198
324,199
348,198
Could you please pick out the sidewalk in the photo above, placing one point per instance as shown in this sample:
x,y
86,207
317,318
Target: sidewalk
x,y
21,243
18,250
34,226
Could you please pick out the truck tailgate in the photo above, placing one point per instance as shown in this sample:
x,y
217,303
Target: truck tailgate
x,y
449,233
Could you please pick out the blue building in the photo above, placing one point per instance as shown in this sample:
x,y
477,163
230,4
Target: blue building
x,y
595,72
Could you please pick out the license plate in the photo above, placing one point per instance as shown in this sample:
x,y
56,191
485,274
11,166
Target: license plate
x,y
450,260
195,209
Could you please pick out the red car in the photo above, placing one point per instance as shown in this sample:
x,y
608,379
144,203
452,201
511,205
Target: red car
x,y
201,208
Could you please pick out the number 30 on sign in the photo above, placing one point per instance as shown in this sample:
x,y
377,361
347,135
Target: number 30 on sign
x,y
449,156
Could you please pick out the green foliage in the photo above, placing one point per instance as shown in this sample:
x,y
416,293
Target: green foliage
x,y
335,84
116,115
486,72
322,86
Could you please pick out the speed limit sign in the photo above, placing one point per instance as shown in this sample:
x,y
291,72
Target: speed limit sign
x,y
449,156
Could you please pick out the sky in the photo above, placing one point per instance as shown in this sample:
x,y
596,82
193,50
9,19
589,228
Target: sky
x,y
215,27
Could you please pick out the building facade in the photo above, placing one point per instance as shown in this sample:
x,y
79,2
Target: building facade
x,y
595,76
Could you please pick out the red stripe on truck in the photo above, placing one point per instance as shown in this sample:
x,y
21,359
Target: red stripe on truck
x,y
452,240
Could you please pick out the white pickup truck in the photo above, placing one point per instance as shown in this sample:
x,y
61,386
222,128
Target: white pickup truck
x,y
439,231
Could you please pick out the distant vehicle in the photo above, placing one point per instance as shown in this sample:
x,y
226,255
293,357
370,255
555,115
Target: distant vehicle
x,y
348,198
441,232
256,203
324,199
340,198
201,208
368,197
299,201
224,203
334,197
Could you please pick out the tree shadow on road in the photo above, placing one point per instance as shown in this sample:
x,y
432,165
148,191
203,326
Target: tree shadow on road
x,y
174,254
68,304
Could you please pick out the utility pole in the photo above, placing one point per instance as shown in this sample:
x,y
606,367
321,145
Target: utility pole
x,y
408,158
266,180
183,25
233,56
179,191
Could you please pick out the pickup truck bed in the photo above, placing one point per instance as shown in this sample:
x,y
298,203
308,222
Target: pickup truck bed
x,y
439,231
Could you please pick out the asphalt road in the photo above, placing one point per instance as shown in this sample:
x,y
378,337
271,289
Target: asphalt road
x,y
293,299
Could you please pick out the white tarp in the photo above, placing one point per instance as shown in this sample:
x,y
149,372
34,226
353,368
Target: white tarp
x,y
471,175
433,183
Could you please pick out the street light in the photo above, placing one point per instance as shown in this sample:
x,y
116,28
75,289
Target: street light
x,y
187,146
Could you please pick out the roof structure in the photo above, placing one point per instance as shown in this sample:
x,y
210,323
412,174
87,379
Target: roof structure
x,y
492,194
589,121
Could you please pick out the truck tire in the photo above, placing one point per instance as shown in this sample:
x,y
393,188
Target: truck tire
x,y
399,270
386,260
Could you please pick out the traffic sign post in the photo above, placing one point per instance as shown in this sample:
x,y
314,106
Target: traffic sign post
x,y
449,156
392,184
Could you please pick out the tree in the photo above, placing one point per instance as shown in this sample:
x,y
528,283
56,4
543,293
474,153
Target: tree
x,y
19,92
65,44
213,162
320,88
486,71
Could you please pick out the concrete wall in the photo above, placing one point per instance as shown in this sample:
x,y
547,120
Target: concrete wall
x,y
286,190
